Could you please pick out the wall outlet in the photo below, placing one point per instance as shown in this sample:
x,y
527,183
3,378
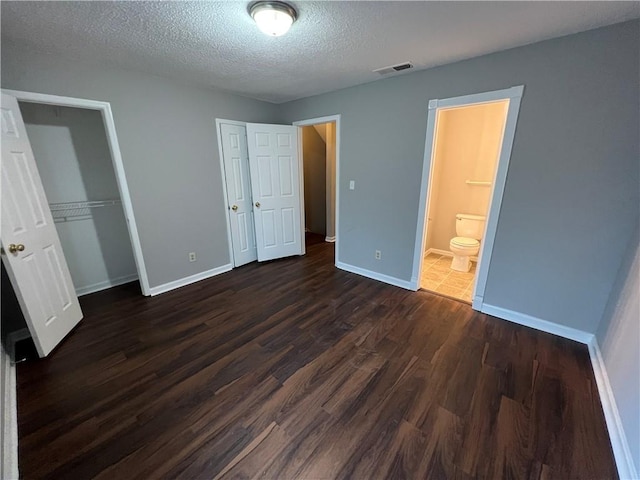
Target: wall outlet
x,y
352,184
192,256
378,255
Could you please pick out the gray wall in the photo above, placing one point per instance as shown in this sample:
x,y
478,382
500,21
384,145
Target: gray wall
x,y
619,340
166,131
74,162
572,184
314,154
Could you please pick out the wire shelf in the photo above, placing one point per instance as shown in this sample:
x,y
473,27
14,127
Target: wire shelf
x,y
67,211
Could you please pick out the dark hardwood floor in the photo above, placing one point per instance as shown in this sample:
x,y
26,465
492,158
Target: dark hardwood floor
x,y
296,370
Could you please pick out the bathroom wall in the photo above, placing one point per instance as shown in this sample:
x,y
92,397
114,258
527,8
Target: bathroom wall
x,y
433,210
73,158
468,142
314,153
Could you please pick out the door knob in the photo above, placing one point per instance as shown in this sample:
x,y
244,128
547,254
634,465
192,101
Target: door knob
x,y
258,204
234,208
13,248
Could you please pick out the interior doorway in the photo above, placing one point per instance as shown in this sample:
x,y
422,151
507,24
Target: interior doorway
x,y
32,253
319,145
467,146
96,154
467,152
74,163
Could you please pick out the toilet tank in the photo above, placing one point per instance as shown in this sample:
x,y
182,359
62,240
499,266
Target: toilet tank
x,y
470,226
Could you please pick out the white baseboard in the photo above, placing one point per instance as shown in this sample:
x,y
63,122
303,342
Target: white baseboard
x,y
96,287
619,444
330,239
437,251
190,279
446,253
375,275
9,466
537,323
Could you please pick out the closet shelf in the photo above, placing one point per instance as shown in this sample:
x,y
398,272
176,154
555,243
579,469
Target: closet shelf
x,y
66,211
475,182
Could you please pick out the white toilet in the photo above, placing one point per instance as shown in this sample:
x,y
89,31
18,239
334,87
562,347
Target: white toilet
x,y
467,244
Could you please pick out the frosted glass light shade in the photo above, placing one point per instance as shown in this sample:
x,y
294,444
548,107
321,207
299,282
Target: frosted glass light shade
x,y
273,18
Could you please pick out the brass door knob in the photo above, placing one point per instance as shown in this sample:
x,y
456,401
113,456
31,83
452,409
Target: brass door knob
x,y
258,204
13,248
234,208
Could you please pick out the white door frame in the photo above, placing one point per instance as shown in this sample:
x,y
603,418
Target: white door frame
x,y
219,122
112,139
514,95
316,121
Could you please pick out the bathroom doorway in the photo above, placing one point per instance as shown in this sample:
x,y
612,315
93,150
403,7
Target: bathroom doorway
x,y
466,158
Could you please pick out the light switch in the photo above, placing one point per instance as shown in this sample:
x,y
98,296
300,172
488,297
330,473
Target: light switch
x,y
352,184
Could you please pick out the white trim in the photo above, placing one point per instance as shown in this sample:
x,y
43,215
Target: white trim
x,y
381,277
112,139
330,239
9,466
314,121
191,279
99,286
437,251
514,95
219,122
303,220
617,436
538,323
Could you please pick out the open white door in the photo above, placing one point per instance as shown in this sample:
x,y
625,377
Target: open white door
x,y
238,182
31,250
275,183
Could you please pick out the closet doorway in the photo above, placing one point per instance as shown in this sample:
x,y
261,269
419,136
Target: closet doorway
x,y
267,183
261,182
78,159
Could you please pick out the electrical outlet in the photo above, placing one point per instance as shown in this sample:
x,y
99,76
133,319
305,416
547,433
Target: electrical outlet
x,y
378,255
192,256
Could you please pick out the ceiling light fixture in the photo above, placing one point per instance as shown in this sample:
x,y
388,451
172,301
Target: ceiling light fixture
x,y
273,18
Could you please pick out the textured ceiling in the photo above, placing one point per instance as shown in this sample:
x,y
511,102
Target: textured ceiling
x,y
332,45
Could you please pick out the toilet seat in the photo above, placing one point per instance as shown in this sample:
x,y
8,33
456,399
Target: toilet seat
x,y
465,242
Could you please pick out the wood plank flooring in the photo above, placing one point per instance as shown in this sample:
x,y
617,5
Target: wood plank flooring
x,y
296,370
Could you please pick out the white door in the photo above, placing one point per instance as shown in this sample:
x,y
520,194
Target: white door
x,y
275,184
31,250
238,180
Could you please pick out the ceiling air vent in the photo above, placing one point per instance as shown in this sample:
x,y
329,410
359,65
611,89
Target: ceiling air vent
x,y
394,68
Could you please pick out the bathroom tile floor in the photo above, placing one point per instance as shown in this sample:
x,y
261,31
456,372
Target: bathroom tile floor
x,y
438,277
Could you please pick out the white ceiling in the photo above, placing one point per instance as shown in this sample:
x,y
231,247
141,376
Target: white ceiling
x,y
334,44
